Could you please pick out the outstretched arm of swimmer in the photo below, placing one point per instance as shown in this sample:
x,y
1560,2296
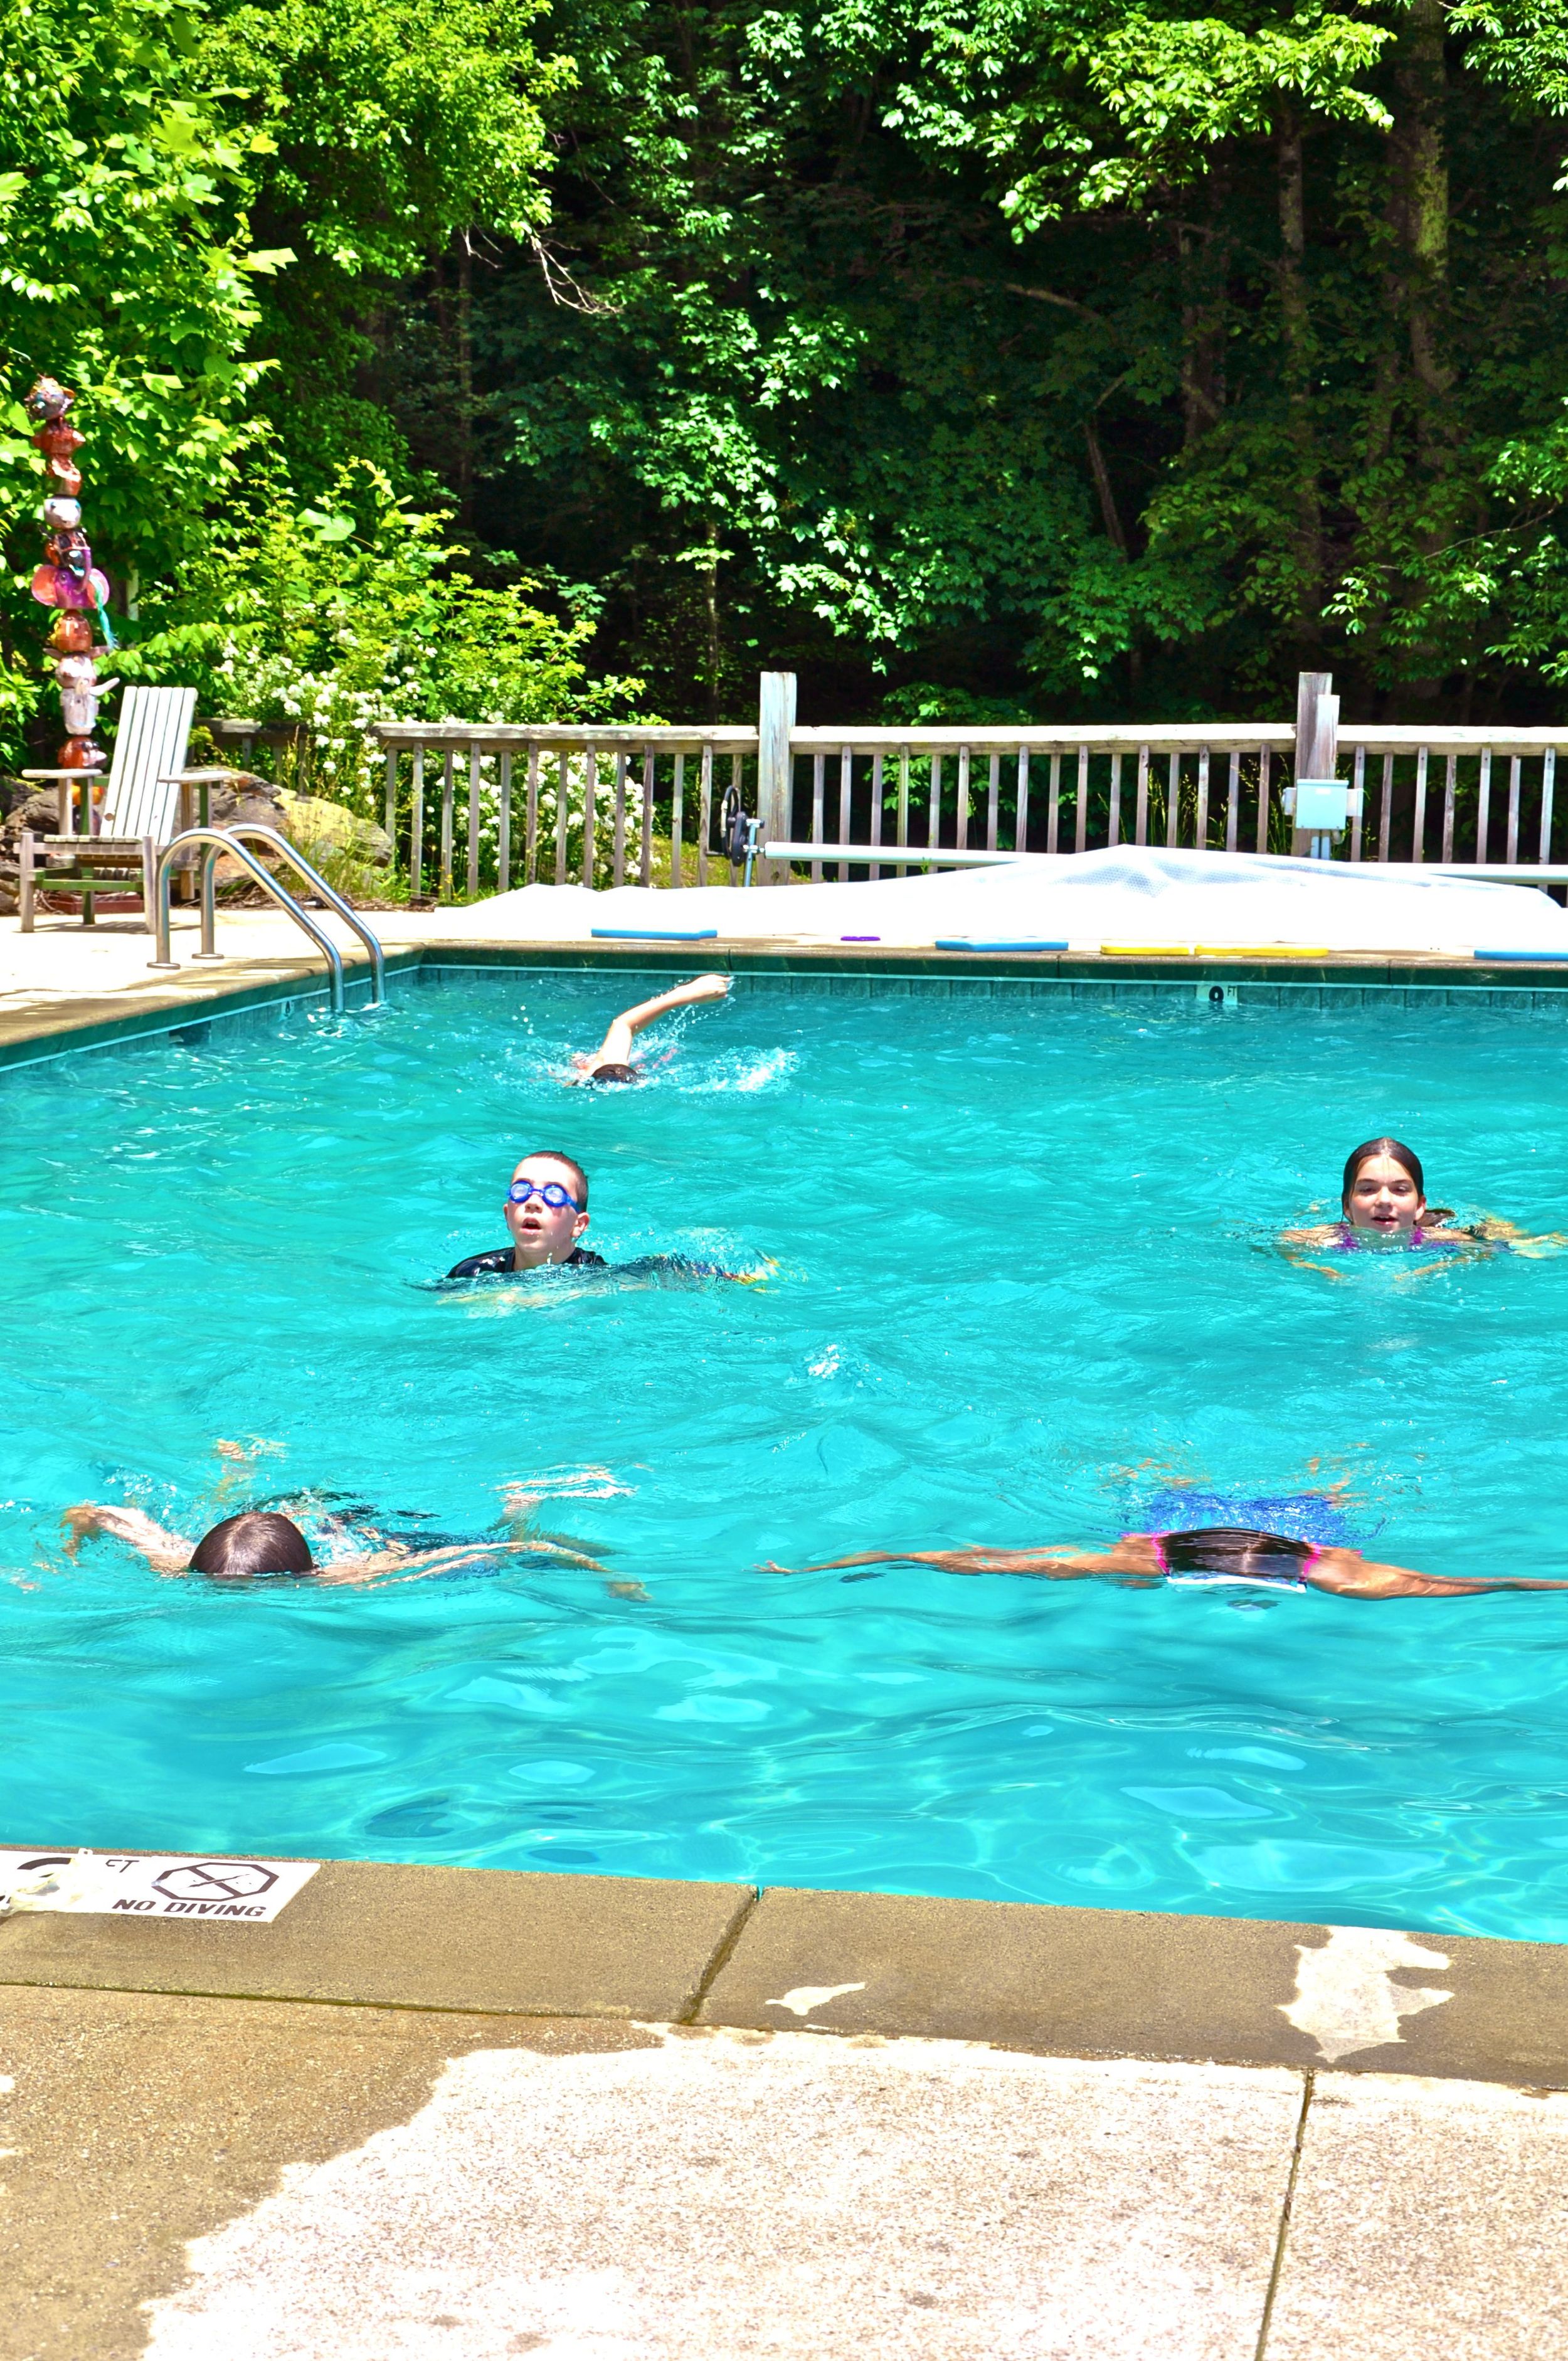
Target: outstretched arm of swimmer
x,y
165,1552
413,1566
1346,1572
1132,1556
615,1050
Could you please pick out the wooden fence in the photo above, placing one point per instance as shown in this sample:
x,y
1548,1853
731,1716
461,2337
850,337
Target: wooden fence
x,y
476,809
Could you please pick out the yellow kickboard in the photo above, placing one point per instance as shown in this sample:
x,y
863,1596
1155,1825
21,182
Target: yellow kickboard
x,y
1214,950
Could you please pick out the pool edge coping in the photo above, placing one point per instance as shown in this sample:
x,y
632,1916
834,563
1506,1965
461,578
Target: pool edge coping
x,y
1053,1979
29,1034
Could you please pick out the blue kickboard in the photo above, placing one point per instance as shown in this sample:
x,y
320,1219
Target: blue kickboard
x,y
962,943
653,935
1532,959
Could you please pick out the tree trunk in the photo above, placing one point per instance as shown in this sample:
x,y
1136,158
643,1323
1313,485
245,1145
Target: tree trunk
x,y
463,454
711,588
1295,325
1102,485
1420,164
1203,263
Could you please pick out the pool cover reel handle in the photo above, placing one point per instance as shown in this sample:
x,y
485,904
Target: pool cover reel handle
x,y
741,834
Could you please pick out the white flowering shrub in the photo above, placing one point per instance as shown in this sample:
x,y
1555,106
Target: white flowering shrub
x,y
329,619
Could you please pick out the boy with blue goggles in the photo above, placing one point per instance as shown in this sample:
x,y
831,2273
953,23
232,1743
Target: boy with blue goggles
x,y
546,1212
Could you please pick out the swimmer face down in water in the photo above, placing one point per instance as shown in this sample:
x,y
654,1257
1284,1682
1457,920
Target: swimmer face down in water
x,y
611,1061
260,1542
1217,1553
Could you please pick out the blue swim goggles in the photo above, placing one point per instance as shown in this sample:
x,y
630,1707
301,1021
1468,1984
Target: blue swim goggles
x,y
551,1192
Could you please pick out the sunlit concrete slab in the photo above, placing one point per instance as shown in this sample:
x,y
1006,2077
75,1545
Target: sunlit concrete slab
x,y
131,2124
439,2111
1427,2217
1150,1983
412,1935
717,2194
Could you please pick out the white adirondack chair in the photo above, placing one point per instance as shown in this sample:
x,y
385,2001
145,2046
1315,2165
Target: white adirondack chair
x,y
142,810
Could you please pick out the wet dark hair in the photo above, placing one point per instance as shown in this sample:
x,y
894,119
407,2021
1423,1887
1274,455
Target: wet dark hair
x,y
257,1542
1394,1147
614,1075
569,1164
1234,1549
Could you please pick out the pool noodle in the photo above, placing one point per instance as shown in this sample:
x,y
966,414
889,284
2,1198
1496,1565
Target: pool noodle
x,y
963,943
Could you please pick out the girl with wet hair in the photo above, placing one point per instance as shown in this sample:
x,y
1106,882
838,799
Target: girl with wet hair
x,y
1384,1190
1383,1196
1203,1556
261,1541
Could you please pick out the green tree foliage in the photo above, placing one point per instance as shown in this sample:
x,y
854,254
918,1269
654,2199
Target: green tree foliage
x,y
128,265
202,207
1099,349
1054,355
405,132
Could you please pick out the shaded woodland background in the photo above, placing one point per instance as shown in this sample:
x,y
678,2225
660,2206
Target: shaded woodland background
x,y
1012,359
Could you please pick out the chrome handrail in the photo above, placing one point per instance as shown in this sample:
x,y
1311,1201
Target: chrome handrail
x,y
223,843
257,830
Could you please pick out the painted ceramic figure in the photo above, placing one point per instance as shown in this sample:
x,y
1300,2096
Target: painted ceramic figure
x,y
69,582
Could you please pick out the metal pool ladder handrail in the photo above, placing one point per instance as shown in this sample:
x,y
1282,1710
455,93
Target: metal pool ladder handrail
x,y
223,840
242,830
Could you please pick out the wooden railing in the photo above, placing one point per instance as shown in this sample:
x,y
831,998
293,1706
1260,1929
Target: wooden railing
x,y
570,803
477,808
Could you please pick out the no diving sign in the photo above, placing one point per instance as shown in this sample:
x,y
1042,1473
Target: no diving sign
x,y
150,1885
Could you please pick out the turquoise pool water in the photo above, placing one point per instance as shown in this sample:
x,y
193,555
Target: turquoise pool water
x,y
1027,1292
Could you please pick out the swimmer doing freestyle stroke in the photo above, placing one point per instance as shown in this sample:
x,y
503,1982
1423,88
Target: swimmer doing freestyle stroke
x,y
612,1061
261,1541
1216,1554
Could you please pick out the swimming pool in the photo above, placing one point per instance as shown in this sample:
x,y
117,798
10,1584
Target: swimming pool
x,y
1027,1292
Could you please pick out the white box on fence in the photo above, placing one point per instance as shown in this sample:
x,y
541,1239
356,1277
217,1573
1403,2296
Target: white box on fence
x,y
1321,806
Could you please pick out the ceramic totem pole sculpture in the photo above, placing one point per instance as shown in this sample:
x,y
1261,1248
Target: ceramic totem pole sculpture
x,y
71,583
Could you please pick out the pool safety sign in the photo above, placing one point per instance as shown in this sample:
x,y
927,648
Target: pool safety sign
x,y
150,1885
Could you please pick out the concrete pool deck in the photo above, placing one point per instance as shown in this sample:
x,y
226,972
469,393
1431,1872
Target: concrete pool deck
x,y
67,986
470,2114
474,2114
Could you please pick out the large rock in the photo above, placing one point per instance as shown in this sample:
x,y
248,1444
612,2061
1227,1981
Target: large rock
x,y
248,798
316,825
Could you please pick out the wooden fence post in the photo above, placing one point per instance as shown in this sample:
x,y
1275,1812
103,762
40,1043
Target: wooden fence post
x,y
1317,740
776,770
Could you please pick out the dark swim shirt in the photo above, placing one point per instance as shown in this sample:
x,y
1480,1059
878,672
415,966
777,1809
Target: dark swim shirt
x,y
670,1270
499,1261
